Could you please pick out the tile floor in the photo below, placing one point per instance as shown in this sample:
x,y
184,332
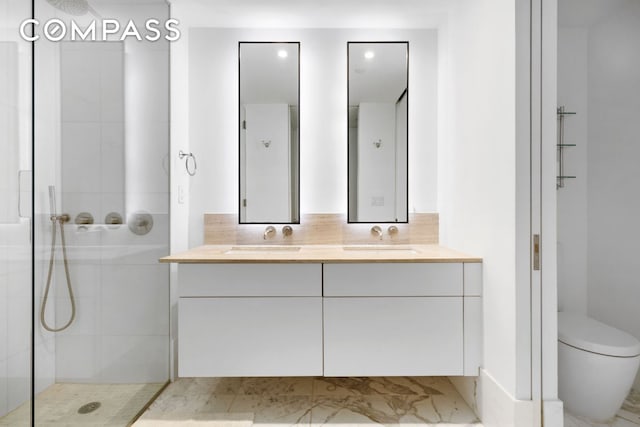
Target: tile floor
x,y
628,415
58,405
240,402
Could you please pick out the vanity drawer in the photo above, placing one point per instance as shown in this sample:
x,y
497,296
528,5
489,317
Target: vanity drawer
x,y
393,279
231,337
259,280
393,336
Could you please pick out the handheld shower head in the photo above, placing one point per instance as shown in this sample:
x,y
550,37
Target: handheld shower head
x,y
52,200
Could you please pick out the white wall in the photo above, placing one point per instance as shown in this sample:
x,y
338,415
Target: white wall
x,y
212,133
572,198
613,173
477,180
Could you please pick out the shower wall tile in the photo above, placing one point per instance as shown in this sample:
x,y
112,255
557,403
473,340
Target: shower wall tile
x,y
18,380
111,89
134,300
145,164
19,335
4,321
112,157
87,320
85,280
145,102
77,358
80,163
45,364
79,81
132,359
4,387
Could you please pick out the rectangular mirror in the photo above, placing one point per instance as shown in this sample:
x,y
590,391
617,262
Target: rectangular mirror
x,y
269,119
378,86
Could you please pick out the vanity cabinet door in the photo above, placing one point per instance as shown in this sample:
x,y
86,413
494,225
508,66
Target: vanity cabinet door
x,y
229,337
389,336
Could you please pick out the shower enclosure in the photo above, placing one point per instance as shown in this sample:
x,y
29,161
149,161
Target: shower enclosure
x,y
84,215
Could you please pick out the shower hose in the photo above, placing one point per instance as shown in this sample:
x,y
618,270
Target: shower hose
x,y
54,220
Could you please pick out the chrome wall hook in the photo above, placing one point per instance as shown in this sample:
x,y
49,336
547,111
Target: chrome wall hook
x,y
190,170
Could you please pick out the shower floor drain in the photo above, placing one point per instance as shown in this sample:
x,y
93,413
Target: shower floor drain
x,y
89,407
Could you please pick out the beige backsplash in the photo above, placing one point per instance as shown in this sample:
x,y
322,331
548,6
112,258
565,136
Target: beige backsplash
x,y
319,229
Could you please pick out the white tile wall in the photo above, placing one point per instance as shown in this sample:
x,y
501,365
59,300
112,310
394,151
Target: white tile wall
x,y
4,386
93,129
127,359
135,300
77,358
18,380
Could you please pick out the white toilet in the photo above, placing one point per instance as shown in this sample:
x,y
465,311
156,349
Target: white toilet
x,y
597,365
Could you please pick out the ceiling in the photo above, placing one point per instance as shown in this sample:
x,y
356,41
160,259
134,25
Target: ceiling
x,y
311,13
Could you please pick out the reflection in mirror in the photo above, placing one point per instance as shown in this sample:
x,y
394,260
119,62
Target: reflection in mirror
x,y
378,137
269,132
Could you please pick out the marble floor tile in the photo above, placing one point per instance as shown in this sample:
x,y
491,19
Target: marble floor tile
x,y
283,386
390,410
282,410
201,420
631,407
418,401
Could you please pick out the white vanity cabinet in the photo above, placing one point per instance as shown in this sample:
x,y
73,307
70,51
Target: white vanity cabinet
x,y
393,319
250,320
388,319
331,319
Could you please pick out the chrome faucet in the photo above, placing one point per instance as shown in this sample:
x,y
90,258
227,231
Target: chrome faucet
x,y
392,230
287,231
377,231
269,232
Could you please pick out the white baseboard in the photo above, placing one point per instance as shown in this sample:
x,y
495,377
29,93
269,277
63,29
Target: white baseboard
x,y
499,409
553,413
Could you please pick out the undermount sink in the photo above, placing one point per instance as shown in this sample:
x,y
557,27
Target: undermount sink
x,y
389,248
262,249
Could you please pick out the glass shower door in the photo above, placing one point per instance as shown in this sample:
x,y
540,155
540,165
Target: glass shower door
x,y
102,216
15,217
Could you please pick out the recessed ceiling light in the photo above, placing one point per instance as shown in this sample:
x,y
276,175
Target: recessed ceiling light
x,y
282,53
369,54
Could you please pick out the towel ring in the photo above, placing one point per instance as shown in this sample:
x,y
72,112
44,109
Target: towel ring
x,y
188,156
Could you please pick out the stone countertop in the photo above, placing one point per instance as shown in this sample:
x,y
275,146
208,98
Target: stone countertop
x,y
318,254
